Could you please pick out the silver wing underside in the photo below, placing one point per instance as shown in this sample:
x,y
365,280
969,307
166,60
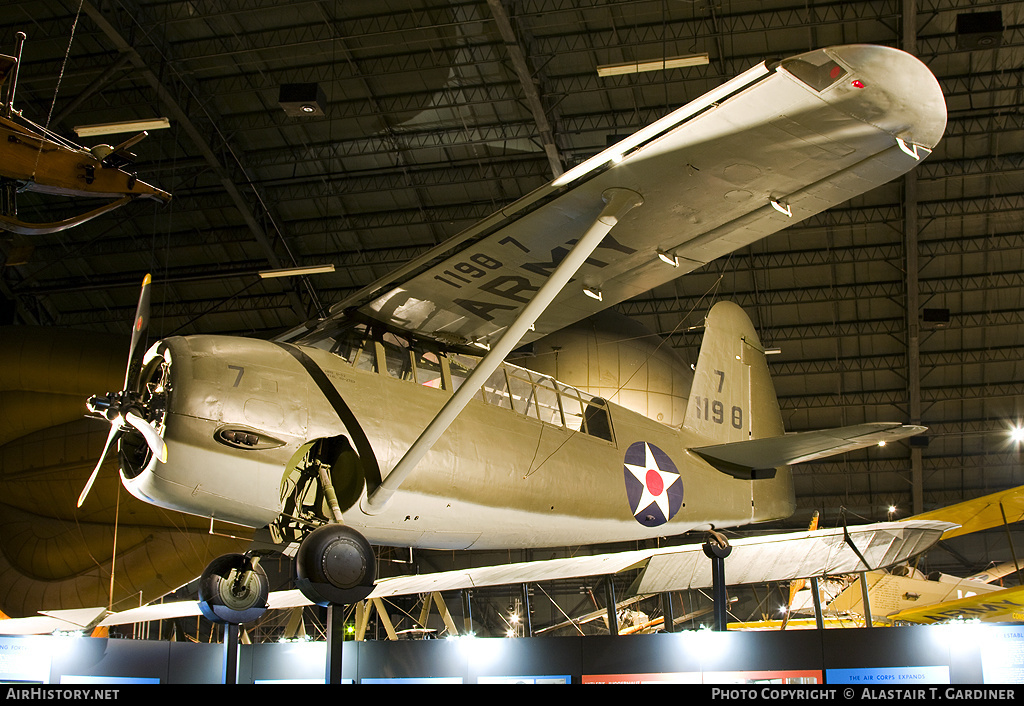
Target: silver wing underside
x,y
767,149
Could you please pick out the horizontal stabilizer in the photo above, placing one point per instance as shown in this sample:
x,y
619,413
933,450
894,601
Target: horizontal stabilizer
x,y
757,458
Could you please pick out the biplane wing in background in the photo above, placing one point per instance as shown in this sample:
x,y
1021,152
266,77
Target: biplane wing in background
x,y
770,558
1004,507
904,594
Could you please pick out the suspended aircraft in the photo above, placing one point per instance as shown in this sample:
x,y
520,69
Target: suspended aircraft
x,y
903,594
33,158
396,420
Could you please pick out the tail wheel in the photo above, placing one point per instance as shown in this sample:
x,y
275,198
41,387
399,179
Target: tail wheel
x,y
233,589
335,565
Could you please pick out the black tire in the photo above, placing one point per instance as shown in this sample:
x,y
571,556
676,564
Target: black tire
x,y
335,565
226,597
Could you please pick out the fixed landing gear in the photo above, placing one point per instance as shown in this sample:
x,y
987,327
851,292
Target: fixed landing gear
x,y
233,590
334,566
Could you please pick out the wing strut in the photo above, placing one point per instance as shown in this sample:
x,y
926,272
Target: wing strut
x,y
849,540
618,202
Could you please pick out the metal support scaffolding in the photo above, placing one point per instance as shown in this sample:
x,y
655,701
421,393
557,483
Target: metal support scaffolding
x,y
231,633
819,619
527,618
717,549
610,607
669,624
335,642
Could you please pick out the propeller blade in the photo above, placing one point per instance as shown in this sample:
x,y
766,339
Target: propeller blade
x,y
115,431
153,439
139,327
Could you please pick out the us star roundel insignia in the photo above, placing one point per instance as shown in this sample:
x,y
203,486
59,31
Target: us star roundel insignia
x,y
653,485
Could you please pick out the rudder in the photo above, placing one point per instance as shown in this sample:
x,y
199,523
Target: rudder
x,y
732,398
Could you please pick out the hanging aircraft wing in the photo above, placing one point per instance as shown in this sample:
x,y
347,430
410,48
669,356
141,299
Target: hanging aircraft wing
x,y
941,596
794,556
753,560
993,510
771,147
51,621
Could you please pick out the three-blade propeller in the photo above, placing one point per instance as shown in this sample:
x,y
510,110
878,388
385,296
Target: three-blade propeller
x,y
123,409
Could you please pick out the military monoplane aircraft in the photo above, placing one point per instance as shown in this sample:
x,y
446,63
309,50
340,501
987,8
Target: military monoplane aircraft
x,y
396,420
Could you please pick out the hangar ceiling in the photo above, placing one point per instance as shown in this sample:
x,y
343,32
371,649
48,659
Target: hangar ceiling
x,y
904,304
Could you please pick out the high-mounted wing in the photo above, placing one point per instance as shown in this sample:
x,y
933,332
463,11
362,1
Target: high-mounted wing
x,y
753,560
769,148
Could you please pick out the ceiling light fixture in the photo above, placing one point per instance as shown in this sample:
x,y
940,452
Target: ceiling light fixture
x,y
125,126
636,67
302,99
292,271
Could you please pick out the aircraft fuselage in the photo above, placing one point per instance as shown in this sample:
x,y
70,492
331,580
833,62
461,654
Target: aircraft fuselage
x,y
241,413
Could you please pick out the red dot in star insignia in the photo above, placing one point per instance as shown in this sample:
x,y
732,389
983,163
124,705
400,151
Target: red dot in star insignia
x,y
654,482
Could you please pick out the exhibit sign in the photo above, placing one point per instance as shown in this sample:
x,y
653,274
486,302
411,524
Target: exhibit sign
x,y
880,676
26,659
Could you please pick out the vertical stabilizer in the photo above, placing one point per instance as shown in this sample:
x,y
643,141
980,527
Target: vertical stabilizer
x,y
732,398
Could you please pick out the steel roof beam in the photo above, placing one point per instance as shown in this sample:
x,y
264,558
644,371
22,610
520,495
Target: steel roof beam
x,y
181,116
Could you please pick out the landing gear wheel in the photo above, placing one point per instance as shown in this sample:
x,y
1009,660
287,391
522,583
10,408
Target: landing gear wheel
x,y
233,589
335,566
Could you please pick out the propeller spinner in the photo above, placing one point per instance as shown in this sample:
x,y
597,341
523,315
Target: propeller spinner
x,y
128,409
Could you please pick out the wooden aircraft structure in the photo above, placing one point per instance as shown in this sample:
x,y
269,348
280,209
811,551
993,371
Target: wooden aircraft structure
x,y
33,158
903,594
